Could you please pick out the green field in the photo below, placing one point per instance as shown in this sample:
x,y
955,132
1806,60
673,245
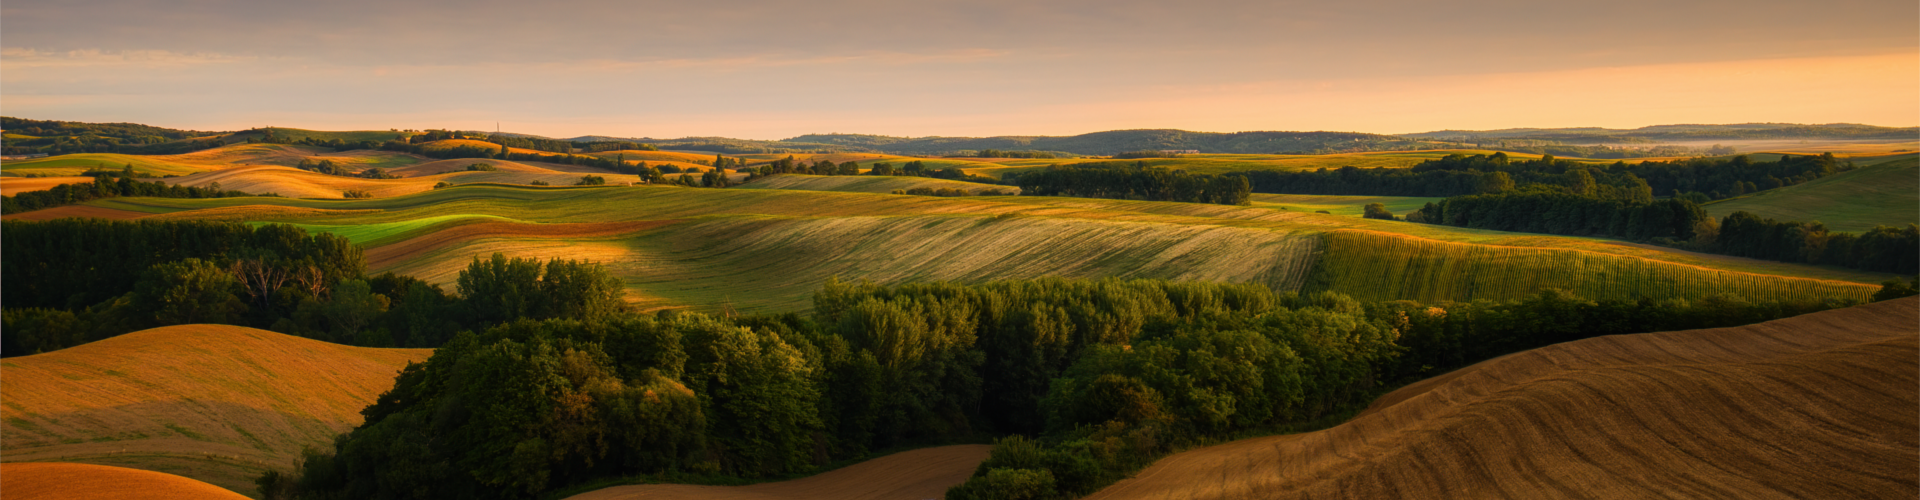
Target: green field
x,y
767,250
75,164
1882,194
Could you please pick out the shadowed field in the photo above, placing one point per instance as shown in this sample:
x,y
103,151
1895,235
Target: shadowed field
x,y
211,402
62,481
1825,405
917,474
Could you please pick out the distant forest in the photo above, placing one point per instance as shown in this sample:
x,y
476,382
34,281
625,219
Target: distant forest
x,y
53,137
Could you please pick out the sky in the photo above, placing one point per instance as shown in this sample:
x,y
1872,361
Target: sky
x,y
776,69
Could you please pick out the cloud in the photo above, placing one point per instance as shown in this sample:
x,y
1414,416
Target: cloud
x,y
12,58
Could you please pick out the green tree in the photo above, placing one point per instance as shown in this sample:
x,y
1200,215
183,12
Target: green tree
x,y
185,292
1377,211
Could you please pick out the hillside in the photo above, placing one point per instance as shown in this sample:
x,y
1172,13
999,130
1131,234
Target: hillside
x,y
1882,194
1816,406
214,403
76,164
61,481
767,250
868,184
922,473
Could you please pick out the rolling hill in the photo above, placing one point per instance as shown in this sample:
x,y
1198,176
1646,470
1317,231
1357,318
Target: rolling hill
x,y
61,481
1817,406
868,184
1121,141
1882,194
214,403
767,250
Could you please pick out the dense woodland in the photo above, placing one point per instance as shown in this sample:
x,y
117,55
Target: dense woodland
x,y
1133,182
1459,175
109,186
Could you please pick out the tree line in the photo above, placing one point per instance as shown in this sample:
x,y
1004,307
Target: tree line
x,y
1459,175
1681,223
1090,381
1133,182
109,186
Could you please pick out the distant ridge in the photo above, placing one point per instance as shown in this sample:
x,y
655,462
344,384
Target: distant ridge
x,y
1685,132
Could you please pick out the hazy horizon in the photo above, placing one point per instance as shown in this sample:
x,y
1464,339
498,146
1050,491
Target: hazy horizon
x,y
771,70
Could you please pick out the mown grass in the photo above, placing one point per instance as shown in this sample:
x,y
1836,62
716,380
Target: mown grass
x,y
1882,194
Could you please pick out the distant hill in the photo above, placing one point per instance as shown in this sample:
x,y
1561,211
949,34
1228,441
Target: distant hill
x,y
1881,194
1121,141
1685,132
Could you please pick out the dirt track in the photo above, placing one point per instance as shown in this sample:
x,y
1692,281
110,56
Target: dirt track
x,y
1825,405
60,481
908,475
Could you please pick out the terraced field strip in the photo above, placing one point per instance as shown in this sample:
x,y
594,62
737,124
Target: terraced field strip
x,y
916,474
1384,266
401,251
1340,205
76,211
76,164
1823,405
212,402
10,186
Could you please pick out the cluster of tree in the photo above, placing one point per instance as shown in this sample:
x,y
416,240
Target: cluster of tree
x,y
1881,249
330,168
602,146
533,143
1896,288
270,136
996,153
54,137
591,180
106,186
1556,210
1458,175
72,281
1133,182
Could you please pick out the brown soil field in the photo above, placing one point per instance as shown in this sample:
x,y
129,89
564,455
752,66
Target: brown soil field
x,y
388,255
211,402
914,475
10,186
77,211
63,481
1825,405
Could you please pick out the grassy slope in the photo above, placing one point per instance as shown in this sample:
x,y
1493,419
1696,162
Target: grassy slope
x,y
214,403
1815,406
75,164
866,184
1882,194
768,249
